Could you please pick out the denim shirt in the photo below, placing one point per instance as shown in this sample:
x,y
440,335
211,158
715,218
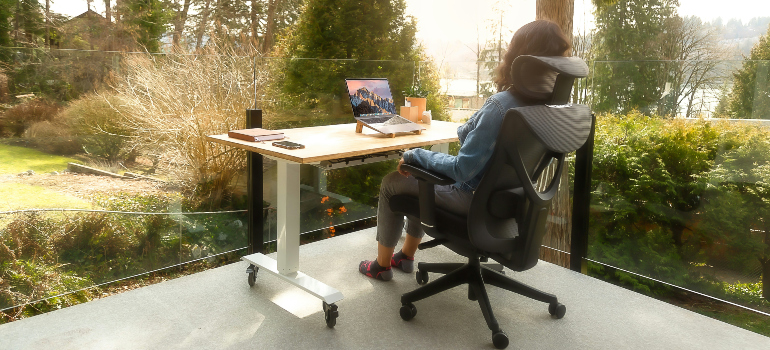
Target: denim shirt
x,y
477,141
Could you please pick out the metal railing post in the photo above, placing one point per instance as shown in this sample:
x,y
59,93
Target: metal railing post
x,y
582,202
256,238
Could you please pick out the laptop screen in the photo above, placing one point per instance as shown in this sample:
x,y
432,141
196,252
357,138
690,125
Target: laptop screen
x,y
370,97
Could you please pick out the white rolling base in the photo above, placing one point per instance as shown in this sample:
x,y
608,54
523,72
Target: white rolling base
x,y
328,294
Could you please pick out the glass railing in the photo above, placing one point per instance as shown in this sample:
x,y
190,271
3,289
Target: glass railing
x,y
680,177
107,174
677,200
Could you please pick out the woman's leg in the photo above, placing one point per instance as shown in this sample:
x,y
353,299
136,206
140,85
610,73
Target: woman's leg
x,y
390,224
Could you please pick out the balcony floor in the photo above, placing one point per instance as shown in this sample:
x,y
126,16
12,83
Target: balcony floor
x,y
216,309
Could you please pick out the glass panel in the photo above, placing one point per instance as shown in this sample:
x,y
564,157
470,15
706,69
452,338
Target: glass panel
x,y
683,200
49,253
312,93
149,191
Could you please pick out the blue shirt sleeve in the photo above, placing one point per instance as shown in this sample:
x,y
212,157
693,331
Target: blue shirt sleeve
x,y
474,152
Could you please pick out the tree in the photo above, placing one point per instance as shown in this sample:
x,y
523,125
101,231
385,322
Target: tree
x,y
750,94
28,22
697,56
560,12
347,30
146,21
253,22
180,18
630,31
5,23
491,54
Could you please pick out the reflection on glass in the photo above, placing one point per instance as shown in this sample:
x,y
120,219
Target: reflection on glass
x,y
683,201
48,253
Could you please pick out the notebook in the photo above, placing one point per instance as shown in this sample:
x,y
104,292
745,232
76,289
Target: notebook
x,y
373,106
255,134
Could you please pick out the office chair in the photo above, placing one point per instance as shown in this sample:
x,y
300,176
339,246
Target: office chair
x,y
507,216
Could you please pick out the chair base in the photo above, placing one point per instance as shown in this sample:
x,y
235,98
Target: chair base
x,y
476,275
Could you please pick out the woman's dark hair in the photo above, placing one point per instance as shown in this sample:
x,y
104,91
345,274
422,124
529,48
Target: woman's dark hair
x,y
538,38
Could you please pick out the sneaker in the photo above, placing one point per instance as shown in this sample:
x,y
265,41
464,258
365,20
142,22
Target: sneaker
x,y
403,262
374,270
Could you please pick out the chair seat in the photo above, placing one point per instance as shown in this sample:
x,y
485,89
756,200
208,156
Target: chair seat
x,y
450,226
446,222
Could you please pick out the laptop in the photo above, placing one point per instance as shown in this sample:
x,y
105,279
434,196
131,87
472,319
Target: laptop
x,y
373,106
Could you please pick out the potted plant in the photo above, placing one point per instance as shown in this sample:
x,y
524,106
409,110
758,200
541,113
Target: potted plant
x,y
417,97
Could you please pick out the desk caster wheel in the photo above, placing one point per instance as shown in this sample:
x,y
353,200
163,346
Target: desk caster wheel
x,y
500,339
330,314
557,309
252,270
408,311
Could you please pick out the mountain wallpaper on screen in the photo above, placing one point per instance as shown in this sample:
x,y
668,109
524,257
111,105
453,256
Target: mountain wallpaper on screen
x,y
367,102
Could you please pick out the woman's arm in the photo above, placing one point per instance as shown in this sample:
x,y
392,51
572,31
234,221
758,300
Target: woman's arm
x,y
474,153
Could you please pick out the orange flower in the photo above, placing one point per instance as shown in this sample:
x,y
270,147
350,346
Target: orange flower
x,y
343,210
324,199
329,211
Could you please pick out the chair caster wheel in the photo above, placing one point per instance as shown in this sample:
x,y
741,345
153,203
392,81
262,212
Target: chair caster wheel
x,y
471,294
422,276
557,309
330,314
252,270
408,311
500,339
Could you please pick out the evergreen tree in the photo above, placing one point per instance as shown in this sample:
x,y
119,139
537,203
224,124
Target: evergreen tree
x,y
349,30
631,31
146,21
5,22
750,95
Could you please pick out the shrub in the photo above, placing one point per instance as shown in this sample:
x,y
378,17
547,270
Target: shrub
x,y
20,117
52,137
99,126
171,103
672,193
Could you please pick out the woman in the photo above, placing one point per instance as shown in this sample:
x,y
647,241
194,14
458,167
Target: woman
x,y
477,139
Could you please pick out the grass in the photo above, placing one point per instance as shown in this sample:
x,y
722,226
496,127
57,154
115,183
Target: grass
x,y
14,160
22,196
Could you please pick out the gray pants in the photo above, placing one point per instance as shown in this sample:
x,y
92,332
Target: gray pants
x,y
390,224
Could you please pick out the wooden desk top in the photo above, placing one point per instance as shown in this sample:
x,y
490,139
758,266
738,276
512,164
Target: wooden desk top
x,y
341,141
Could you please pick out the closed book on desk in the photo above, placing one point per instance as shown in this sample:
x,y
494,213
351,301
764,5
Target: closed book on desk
x,y
255,134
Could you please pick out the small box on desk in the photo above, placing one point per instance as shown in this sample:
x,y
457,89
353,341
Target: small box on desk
x,y
410,113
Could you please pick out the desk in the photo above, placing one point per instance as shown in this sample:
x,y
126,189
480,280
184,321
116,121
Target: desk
x,y
322,143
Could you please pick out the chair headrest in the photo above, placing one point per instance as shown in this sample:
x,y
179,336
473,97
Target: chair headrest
x,y
535,76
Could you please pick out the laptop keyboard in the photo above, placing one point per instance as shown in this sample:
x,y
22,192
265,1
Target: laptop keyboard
x,y
387,120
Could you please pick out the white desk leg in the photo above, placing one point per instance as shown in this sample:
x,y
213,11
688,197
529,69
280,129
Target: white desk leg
x,y
288,217
441,147
287,265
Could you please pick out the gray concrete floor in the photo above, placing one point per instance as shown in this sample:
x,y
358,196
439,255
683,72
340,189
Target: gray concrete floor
x,y
216,309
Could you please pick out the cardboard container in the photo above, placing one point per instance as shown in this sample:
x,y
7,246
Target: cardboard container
x,y
410,113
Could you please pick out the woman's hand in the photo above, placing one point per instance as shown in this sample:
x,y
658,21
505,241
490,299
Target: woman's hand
x,y
398,168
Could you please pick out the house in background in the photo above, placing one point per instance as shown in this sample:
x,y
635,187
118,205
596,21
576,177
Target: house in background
x,y
91,31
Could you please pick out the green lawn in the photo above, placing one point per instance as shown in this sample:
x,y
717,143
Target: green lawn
x,y
14,160
22,196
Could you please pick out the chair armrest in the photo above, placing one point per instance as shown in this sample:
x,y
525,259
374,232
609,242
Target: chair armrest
x,y
426,182
427,175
